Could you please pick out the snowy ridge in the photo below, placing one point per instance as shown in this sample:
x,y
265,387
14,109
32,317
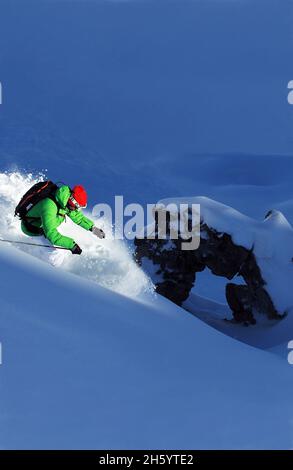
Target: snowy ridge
x,y
271,240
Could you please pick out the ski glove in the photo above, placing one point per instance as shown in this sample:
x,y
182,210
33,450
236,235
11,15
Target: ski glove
x,y
76,250
98,232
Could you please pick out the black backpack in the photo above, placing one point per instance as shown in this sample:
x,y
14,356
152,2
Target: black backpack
x,y
35,194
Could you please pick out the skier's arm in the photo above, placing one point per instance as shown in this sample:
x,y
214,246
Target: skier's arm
x,y
49,219
78,218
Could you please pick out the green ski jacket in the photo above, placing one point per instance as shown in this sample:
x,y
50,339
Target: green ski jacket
x,y
48,215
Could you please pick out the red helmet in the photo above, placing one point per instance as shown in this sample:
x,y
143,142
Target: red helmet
x,y
78,198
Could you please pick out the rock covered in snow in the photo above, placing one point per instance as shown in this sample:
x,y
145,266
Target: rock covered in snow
x,y
231,244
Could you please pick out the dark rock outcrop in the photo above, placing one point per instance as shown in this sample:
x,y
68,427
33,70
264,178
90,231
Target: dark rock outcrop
x,y
173,270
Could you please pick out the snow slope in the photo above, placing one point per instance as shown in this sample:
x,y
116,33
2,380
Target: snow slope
x,y
86,368
147,99
151,98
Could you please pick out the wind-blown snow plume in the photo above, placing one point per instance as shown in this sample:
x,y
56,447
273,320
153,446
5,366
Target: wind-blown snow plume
x,y
108,262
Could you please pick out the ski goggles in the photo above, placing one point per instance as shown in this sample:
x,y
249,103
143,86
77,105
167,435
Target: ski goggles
x,y
74,205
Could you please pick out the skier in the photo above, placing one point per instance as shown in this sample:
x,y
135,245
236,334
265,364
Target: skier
x,y
45,216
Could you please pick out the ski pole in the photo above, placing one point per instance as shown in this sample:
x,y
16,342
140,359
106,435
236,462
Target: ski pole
x,y
35,244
